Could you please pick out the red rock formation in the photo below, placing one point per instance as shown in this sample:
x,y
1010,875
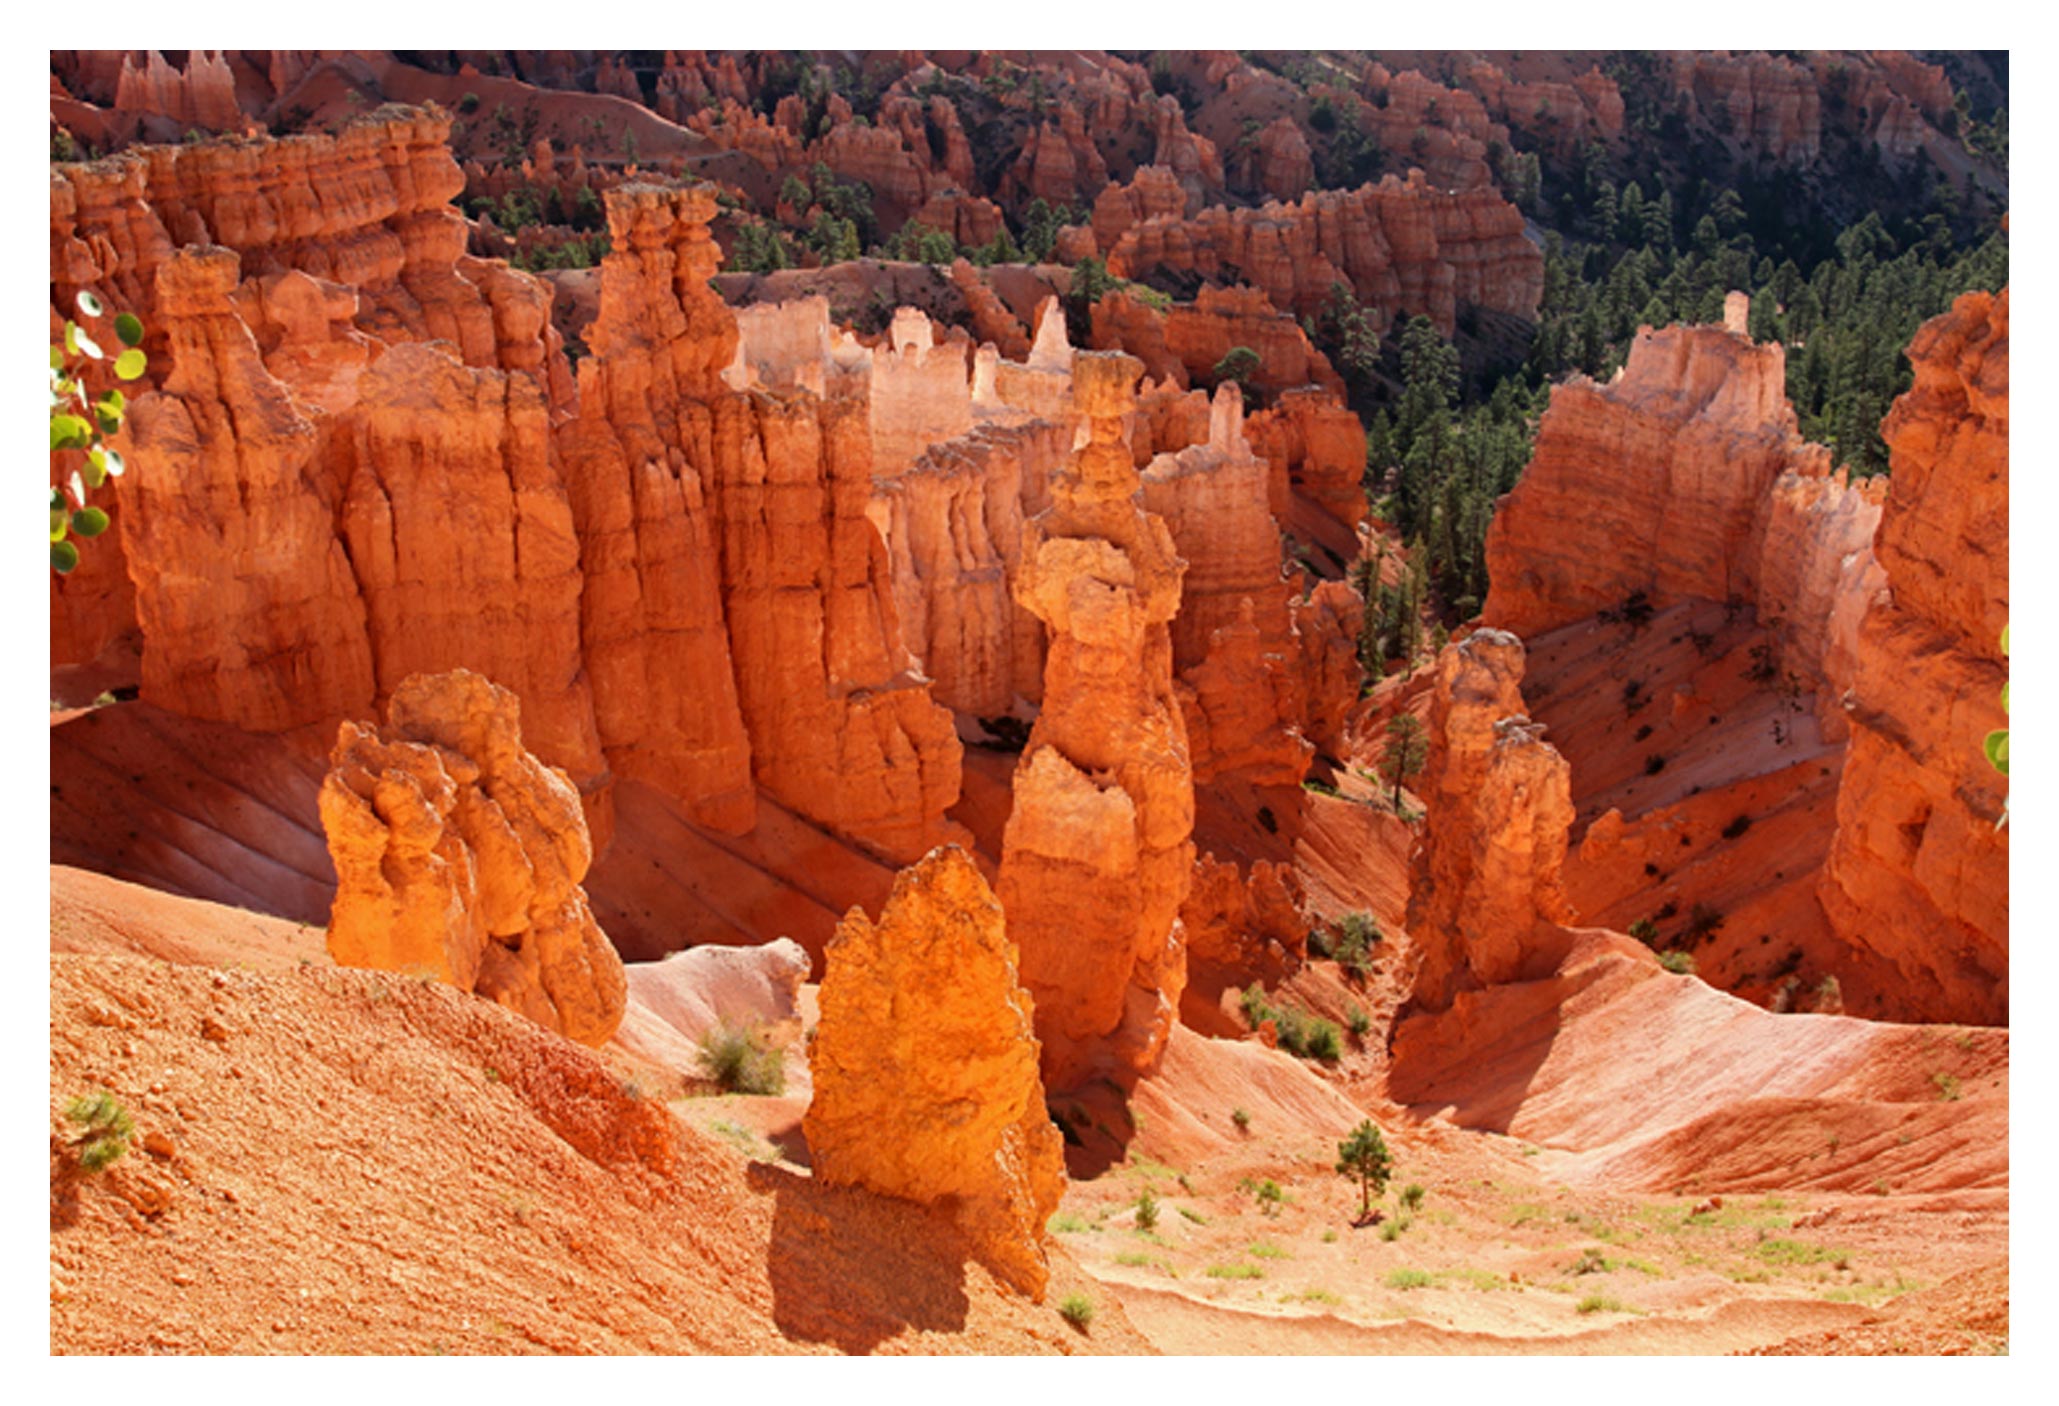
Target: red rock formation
x,y
1405,246
1097,856
667,466
1154,191
458,855
1233,639
1238,921
1282,165
1769,106
1694,450
1691,436
201,97
953,523
1486,906
248,603
1317,446
460,535
1059,163
925,1067
1918,872
1327,621
1200,334
1562,117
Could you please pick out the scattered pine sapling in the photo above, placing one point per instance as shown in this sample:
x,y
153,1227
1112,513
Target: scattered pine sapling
x,y
1364,1155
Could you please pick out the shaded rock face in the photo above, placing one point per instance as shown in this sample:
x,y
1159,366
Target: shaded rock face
x,y
925,1067
459,856
1098,852
1486,904
1918,872
1317,445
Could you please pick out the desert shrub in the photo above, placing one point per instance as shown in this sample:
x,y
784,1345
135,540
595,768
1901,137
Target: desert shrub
x,y
105,1129
1241,1118
1599,1303
1269,1196
1409,1279
1357,934
1298,1032
1678,962
1704,922
1078,1310
1147,1211
1412,1197
1645,931
1359,1023
742,1062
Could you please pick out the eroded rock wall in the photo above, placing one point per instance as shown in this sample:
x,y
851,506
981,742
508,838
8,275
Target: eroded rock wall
x,y
1919,871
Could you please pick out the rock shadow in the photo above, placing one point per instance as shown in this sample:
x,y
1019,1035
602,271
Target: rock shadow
x,y
853,1269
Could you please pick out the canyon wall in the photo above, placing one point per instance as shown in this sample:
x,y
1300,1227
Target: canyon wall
x,y
1918,872
366,459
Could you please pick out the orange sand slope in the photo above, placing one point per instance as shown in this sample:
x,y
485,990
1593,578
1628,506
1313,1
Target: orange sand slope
x,y
1654,1081
349,1161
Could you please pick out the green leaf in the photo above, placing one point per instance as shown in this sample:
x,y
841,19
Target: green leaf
x,y
129,365
63,557
114,402
1997,748
57,358
71,338
2005,698
69,432
89,305
108,424
2005,641
89,522
60,522
129,328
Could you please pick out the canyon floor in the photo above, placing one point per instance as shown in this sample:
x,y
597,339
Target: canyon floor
x,y
335,1160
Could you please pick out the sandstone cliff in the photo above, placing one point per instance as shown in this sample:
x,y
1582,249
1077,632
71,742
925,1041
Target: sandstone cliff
x,y
1918,871
925,1067
1097,853
458,855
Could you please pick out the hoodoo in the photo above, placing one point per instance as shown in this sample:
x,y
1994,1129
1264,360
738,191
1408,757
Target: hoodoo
x,y
458,855
925,1066
1098,849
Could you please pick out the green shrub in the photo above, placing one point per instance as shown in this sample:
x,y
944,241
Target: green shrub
x,y
741,1061
1409,1279
1078,1310
1241,1119
1599,1303
1678,962
1645,931
1239,1270
1147,1211
1297,1031
107,1129
1364,1157
1359,1023
1412,1197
